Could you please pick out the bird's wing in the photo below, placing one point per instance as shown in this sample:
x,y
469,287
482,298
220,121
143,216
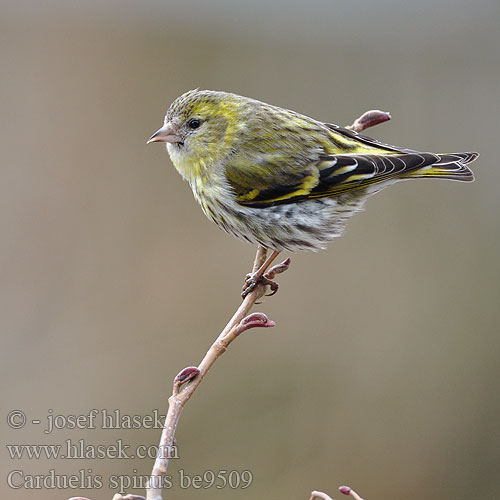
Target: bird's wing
x,y
349,140
348,161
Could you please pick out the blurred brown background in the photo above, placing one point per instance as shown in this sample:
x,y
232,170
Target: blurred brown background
x,y
383,370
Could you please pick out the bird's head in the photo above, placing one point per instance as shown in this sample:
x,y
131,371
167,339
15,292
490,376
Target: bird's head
x,y
200,129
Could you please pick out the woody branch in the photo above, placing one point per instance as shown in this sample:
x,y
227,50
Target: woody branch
x,y
188,379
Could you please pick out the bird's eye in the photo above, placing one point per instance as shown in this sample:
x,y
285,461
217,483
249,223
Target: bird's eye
x,y
194,123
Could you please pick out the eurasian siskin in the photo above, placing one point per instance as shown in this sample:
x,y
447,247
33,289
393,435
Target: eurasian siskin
x,y
282,180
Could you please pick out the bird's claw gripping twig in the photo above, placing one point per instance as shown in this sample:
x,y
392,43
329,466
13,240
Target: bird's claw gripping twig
x,y
253,279
251,282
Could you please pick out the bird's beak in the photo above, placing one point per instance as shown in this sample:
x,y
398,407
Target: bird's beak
x,y
166,134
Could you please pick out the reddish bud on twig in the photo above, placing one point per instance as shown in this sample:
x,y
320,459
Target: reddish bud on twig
x,y
370,119
346,490
189,373
254,320
278,268
319,494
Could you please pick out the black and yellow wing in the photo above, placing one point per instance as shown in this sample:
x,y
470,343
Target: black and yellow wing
x,y
343,161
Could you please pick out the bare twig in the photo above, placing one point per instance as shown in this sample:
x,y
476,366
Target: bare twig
x,y
236,325
319,494
369,119
188,380
347,490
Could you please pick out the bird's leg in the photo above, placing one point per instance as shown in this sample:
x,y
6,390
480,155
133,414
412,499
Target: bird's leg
x,y
253,279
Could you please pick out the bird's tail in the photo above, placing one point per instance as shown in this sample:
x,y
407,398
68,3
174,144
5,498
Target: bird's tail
x,y
449,166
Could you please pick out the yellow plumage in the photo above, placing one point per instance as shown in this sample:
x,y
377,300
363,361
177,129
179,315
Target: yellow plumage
x,y
280,179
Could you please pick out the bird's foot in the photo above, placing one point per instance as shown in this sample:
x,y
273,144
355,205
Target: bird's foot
x,y
252,280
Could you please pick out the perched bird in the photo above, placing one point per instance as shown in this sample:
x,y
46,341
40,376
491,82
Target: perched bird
x,y
282,180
